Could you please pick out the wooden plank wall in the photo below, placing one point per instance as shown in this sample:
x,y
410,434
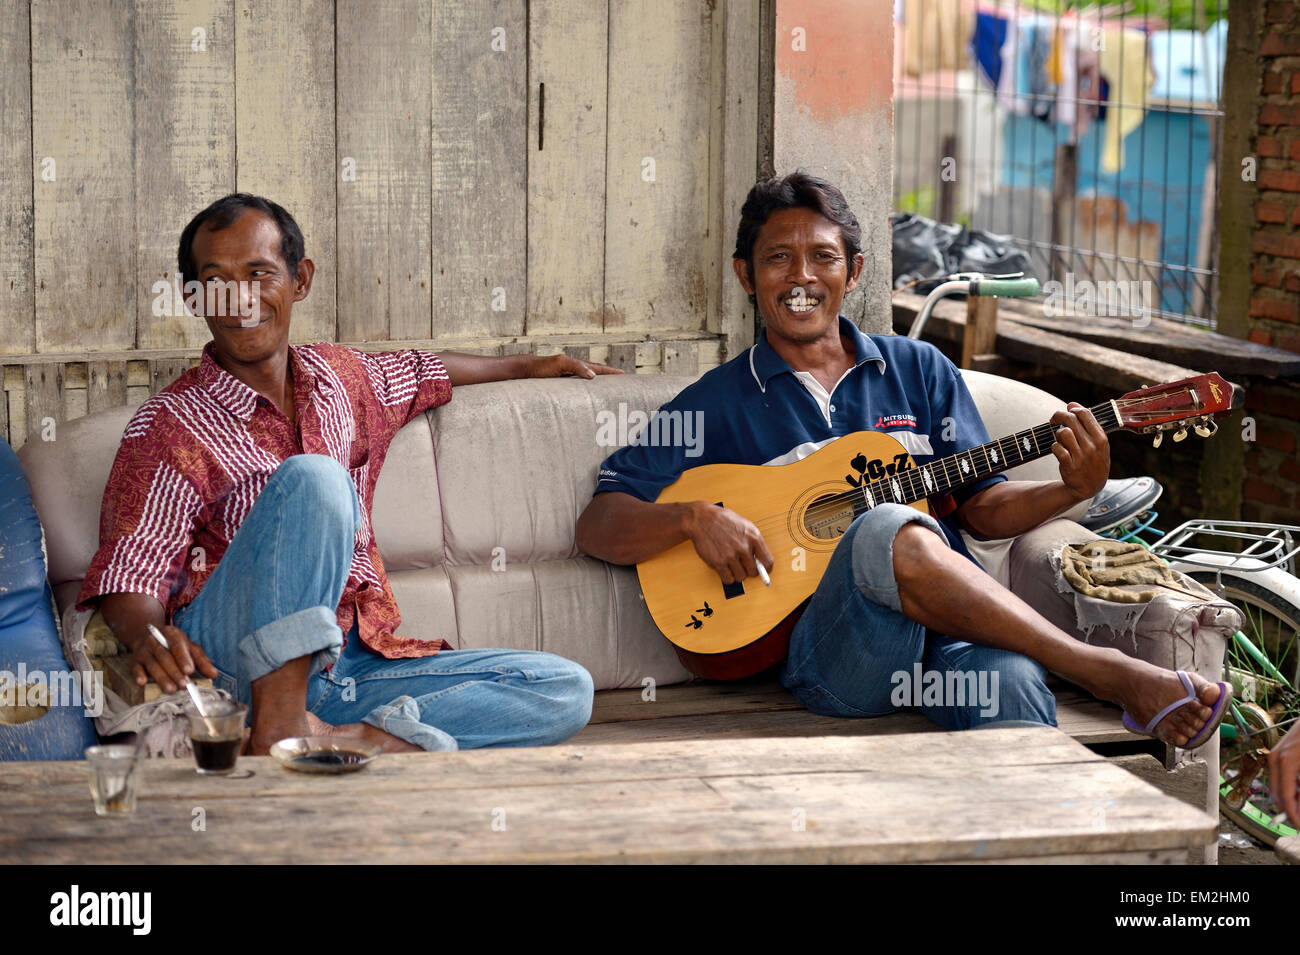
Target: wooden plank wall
x,y
480,247
657,168
492,176
37,391
567,72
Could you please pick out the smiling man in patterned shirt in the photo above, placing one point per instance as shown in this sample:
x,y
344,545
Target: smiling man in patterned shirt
x,y
237,520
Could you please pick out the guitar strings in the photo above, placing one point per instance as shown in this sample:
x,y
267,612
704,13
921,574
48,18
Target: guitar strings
x,y
832,505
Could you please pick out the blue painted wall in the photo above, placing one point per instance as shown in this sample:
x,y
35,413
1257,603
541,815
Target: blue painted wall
x,y
1161,180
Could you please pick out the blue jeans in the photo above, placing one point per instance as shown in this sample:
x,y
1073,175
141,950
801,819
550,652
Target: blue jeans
x,y
854,653
273,597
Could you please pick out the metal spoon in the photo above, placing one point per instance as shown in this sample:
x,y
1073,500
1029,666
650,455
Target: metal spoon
x,y
118,796
189,684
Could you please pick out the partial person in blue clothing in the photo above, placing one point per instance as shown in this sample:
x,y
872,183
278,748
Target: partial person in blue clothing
x,y
901,588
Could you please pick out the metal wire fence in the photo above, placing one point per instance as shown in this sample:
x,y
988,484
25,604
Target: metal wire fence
x,y
1090,132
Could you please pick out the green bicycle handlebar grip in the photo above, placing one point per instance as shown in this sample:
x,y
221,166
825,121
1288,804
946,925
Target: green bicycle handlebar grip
x,y
1005,288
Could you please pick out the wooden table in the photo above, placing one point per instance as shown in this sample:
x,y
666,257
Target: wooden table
x,y
1002,795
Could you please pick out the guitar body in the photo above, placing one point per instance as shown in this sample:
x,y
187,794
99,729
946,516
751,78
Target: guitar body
x,y
737,631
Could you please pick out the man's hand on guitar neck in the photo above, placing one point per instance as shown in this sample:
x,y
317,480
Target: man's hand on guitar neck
x,y
1010,508
1083,450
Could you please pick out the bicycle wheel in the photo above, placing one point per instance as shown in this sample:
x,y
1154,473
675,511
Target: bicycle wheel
x,y
1263,665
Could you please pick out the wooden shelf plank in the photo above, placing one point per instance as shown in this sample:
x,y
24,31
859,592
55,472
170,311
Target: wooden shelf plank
x,y
1096,363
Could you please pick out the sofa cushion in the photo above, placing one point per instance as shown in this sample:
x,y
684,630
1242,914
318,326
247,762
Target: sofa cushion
x,y
580,608
516,466
517,460
407,513
68,476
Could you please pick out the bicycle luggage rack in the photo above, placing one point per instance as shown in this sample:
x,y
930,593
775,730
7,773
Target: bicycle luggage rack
x,y
1270,545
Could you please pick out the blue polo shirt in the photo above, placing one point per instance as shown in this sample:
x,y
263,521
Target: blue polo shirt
x,y
756,410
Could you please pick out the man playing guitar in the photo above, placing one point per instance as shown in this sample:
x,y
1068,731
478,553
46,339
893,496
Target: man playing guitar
x,y
900,587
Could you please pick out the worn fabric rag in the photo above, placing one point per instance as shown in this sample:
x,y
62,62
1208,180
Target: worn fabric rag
x,y
1107,569
1126,66
936,35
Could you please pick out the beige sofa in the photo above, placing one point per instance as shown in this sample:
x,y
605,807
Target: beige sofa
x,y
475,513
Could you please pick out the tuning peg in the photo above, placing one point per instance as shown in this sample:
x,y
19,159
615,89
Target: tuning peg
x,y
1205,430
1160,436
1180,434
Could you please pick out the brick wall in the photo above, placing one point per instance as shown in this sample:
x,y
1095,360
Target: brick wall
x,y
1260,238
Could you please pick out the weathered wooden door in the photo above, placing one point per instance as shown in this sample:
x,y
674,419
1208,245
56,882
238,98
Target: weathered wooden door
x,y
501,175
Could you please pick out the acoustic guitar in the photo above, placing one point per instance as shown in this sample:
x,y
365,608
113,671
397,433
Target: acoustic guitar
x,y
803,509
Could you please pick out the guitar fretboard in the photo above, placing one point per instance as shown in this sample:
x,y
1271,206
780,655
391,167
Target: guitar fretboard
x,y
947,474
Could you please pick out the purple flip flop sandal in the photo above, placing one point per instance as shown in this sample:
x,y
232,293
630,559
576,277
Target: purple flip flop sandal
x,y
1212,724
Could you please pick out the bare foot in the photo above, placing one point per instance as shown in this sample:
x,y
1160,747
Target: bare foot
x,y
386,742
266,733
1144,690
318,727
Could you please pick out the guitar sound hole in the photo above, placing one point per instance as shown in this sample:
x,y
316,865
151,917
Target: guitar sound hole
x,y
827,518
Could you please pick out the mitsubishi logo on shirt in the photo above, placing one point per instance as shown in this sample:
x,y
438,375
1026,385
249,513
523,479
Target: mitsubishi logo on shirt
x,y
896,421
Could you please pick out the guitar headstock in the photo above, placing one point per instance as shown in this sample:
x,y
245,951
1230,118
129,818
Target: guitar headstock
x,y
1172,407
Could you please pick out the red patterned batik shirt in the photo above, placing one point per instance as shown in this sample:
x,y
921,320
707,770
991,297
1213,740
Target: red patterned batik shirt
x,y
195,456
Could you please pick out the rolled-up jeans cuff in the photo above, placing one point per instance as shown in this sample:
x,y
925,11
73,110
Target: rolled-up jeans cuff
x,y
401,718
873,550
314,631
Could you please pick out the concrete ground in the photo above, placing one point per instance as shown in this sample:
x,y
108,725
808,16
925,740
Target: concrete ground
x,y
1238,848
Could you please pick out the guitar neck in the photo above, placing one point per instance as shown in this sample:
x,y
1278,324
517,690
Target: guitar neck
x,y
957,470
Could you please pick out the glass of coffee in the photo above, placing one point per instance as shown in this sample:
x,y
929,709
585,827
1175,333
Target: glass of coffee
x,y
113,776
218,736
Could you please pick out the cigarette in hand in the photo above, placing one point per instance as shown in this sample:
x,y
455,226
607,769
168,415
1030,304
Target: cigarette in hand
x,y
158,635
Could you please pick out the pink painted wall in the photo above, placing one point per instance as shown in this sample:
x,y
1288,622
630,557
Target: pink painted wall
x,y
834,118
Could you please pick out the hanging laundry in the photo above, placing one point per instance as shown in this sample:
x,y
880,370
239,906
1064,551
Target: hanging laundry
x,y
1188,64
1013,81
1090,83
937,36
1041,91
1066,53
1054,71
1126,66
986,44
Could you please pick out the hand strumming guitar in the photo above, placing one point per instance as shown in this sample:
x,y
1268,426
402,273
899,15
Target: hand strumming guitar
x,y
726,541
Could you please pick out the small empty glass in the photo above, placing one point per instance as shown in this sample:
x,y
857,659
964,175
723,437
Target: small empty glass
x,y
113,778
